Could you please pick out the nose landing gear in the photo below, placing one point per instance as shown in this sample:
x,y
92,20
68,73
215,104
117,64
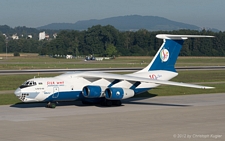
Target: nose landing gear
x,y
51,105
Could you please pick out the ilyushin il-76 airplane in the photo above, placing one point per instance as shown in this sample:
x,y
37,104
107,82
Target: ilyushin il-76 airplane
x,y
106,88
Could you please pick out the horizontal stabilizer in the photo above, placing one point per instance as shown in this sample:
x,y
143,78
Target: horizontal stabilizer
x,y
180,37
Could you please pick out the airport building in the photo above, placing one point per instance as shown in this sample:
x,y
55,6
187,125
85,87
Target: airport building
x,y
42,35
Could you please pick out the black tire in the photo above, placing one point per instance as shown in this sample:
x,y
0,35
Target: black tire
x,y
117,103
86,103
52,105
108,103
48,105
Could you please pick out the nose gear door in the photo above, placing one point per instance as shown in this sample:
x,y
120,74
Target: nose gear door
x,y
55,92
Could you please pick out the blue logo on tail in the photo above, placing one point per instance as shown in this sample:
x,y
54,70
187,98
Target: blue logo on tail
x,y
166,58
164,55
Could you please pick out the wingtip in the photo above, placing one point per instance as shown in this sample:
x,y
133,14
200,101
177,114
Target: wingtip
x,y
208,88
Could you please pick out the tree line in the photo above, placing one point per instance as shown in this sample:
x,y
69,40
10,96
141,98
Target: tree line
x,y
108,41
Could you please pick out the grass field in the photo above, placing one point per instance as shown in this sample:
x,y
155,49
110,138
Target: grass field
x,y
32,61
38,62
209,78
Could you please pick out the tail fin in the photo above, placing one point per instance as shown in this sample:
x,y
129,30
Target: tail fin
x,y
166,56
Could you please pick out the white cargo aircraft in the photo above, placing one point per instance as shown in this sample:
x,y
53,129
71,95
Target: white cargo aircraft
x,y
109,89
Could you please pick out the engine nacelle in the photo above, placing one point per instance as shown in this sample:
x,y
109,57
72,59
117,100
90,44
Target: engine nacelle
x,y
118,93
92,91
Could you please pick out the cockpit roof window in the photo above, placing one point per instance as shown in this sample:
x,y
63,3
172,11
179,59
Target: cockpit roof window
x,y
28,84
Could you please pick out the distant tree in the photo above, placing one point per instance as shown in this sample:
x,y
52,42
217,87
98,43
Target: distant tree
x,y
16,54
43,51
136,50
111,50
2,43
102,40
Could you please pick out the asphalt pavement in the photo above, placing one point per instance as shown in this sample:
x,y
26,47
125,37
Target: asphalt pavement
x,y
169,118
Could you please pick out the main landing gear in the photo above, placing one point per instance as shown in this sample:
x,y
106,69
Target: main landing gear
x,y
51,105
109,103
104,102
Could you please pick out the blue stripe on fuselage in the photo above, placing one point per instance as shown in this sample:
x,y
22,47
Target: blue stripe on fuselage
x,y
77,95
65,96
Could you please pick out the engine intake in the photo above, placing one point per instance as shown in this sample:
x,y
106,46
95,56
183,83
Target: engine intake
x,y
92,91
118,93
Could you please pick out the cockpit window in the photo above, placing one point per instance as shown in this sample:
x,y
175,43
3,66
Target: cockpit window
x,y
28,84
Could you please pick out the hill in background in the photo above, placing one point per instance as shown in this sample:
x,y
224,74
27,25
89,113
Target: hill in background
x,y
125,23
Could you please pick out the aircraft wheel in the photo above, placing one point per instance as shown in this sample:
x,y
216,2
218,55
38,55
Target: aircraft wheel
x,y
108,103
86,103
51,105
117,102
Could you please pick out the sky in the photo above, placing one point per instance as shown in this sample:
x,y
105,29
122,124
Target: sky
x,y
35,13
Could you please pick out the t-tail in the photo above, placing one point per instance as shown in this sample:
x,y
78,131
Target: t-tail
x,y
166,57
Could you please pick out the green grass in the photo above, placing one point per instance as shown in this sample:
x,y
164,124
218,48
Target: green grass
x,y
6,99
67,66
209,78
37,62
11,82
163,90
200,76
200,61
166,90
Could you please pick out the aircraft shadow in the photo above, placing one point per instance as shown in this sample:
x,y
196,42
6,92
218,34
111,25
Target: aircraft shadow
x,y
147,95
155,104
134,100
43,104
28,105
142,96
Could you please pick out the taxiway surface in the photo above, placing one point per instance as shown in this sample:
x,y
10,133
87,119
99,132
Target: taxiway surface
x,y
191,117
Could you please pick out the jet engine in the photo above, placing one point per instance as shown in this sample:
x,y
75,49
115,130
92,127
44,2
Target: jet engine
x,y
92,91
118,93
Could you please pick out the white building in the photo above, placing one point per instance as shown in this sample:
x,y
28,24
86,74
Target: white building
x,y
5,35
69,56
46,36
15,37
42,35
29,36
55,35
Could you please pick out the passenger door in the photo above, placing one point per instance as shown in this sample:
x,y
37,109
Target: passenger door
x,y
55,92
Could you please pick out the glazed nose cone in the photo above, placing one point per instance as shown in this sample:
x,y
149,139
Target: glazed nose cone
x,y
17,92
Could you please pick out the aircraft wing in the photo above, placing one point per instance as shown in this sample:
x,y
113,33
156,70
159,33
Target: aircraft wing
x,y
102,75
